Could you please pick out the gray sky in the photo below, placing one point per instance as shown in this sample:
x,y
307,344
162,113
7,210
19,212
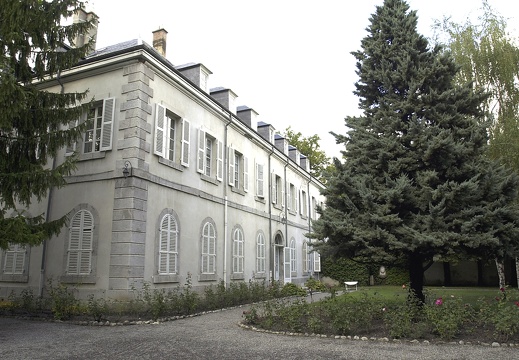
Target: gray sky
x,y
287,59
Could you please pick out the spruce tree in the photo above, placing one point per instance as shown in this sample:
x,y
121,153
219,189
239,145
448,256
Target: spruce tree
x,y
414,184
35,48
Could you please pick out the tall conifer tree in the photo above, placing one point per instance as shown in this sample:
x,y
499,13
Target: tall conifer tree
x,y
414,184
34,48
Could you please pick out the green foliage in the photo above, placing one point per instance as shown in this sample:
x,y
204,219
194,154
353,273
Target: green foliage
x,y
502,313
32,121
64,302
291,289
415,182
309,146
97,308
447,316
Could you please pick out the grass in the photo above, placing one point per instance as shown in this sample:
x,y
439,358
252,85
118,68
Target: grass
x,y
470,295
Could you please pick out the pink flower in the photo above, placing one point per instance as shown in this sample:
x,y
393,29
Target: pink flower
x,y
438,301
502,289
517,303
403,286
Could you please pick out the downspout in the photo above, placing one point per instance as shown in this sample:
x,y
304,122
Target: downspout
x,y
310,219
47,214
286,204
225,206
271,246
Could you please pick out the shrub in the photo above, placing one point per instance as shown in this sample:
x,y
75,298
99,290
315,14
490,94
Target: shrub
x,y
64,302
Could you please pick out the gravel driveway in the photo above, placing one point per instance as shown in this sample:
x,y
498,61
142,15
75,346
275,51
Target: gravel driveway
x,y
209,336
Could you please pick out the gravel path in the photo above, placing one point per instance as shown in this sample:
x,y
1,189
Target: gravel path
x,y
209,336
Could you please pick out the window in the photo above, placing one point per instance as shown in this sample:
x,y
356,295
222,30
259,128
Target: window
x,y
278,193
306,258
237,251
98,135
238,170
317,261
260,253
208,249
14,260
293,258
303,204
172,135
168,251
314,206
259,180
210,156
292,198
80,244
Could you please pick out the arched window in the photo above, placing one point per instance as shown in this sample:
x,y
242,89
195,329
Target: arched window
x,y
80,244
168,252
237,251
208,249
260,253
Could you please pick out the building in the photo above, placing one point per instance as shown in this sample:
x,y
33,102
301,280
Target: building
x,y
173,181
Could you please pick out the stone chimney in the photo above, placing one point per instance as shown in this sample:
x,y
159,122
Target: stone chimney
x,y
247,116
159,41
91,37
225,97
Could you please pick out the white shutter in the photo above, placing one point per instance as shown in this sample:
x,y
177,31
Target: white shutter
x,y
9,262
231,166
108,124
164,246
289,196
282,194
186,133
160,131
219,167
273,187
317,262
301,202
286,267
72,147
259,180
245,173
200,151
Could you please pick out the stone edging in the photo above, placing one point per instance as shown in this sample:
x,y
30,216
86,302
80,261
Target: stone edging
x,y
384,339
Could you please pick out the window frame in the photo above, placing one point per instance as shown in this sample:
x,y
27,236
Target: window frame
x,y
238,251
293,256
171,247
209,163
261,258
208,257
165,120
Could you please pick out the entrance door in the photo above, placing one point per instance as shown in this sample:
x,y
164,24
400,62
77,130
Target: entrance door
x,y
278,258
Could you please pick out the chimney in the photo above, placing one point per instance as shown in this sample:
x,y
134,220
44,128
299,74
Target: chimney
x,y
247,116
159,41
91,37
225,97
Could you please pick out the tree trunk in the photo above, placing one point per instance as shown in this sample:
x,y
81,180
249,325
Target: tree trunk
x,y
517,270
416,273
501,273
447,281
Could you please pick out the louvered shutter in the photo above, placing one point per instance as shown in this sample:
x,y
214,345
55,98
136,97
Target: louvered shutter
x,y
74,244
273,188
164,245
71,148
108,124
160,131
200,151
245,173
289,196
317,262
259,180
19,259
282,194
9,262
85,262
219,167
231,166
212,250
186,133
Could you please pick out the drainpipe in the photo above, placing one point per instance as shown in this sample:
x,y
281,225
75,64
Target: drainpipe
x,y
286,204
271,246
47,214
225,206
